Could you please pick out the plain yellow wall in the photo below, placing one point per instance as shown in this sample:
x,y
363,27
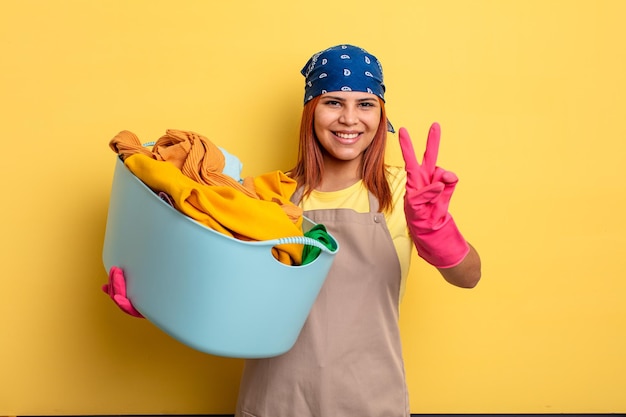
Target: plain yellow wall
x,y
531,96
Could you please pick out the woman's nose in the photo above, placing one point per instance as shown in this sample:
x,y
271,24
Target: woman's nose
x,y
349,116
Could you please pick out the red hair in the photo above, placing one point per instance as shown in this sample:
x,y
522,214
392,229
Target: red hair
x,y
309,168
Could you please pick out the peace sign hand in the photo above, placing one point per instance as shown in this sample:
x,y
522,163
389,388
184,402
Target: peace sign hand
x,y
429,189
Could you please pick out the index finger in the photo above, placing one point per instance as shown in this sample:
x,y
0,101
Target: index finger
x,y
432,148
412,167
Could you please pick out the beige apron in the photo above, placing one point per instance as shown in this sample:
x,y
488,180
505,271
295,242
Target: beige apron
x,y
347,361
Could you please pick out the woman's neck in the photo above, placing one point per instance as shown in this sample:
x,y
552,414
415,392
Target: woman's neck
x,y
339,175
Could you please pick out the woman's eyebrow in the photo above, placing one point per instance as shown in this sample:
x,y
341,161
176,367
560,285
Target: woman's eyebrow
x,y
337,98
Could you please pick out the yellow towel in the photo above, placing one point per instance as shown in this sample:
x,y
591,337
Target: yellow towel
x,y
226,209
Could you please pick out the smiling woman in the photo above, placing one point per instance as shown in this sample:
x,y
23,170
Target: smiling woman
x,y
347,359
531,96
345,123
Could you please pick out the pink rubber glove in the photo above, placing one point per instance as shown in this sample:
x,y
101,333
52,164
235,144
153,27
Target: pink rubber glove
x,y
428,192
116,289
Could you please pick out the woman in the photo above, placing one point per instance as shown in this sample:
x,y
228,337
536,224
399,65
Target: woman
x,y
347,360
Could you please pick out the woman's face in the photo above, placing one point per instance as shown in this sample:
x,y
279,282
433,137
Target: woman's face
x,y
345,123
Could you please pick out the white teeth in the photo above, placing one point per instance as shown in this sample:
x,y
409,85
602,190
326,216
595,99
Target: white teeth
x,y
347,135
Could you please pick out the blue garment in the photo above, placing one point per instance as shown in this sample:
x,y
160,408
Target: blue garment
x,y
232,165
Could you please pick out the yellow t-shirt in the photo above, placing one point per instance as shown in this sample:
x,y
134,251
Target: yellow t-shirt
x,y
356,198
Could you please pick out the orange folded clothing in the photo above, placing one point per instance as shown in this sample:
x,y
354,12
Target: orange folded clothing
x,y
259,210
195,155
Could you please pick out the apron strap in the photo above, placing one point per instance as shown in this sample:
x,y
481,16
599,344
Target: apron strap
x,y
374,206
373,201
297,196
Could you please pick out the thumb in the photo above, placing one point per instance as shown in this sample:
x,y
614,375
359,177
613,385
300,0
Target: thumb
x,y
428,194
449,181
117,281
449,178
126,306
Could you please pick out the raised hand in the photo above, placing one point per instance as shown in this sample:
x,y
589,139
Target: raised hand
x,y
429,189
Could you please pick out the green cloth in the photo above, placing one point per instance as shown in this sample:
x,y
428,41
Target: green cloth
x,y
319,233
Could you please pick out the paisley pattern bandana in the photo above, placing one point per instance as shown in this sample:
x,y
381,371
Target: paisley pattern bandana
x,y
343,68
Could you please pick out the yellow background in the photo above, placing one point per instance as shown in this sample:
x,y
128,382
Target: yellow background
x,y
531,96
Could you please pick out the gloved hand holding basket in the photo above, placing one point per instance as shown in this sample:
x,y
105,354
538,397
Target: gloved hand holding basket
x,y
216,293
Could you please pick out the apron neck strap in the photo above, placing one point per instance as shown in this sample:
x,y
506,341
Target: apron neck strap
x,y
296,198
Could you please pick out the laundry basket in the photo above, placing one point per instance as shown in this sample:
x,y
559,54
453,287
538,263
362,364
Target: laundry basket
x,y
217,294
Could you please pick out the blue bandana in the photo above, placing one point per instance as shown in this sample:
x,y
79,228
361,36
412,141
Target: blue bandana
x,y
343,68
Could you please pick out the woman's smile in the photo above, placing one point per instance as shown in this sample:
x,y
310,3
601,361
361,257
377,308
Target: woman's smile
x,y
345,123
347,138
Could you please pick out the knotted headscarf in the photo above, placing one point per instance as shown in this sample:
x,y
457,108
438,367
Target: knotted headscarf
x,y
343,68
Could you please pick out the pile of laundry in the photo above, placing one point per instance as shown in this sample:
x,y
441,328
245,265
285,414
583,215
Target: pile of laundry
x,y
202,181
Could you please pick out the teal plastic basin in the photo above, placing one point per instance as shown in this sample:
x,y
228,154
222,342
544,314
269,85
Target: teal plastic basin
x,y
214,293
